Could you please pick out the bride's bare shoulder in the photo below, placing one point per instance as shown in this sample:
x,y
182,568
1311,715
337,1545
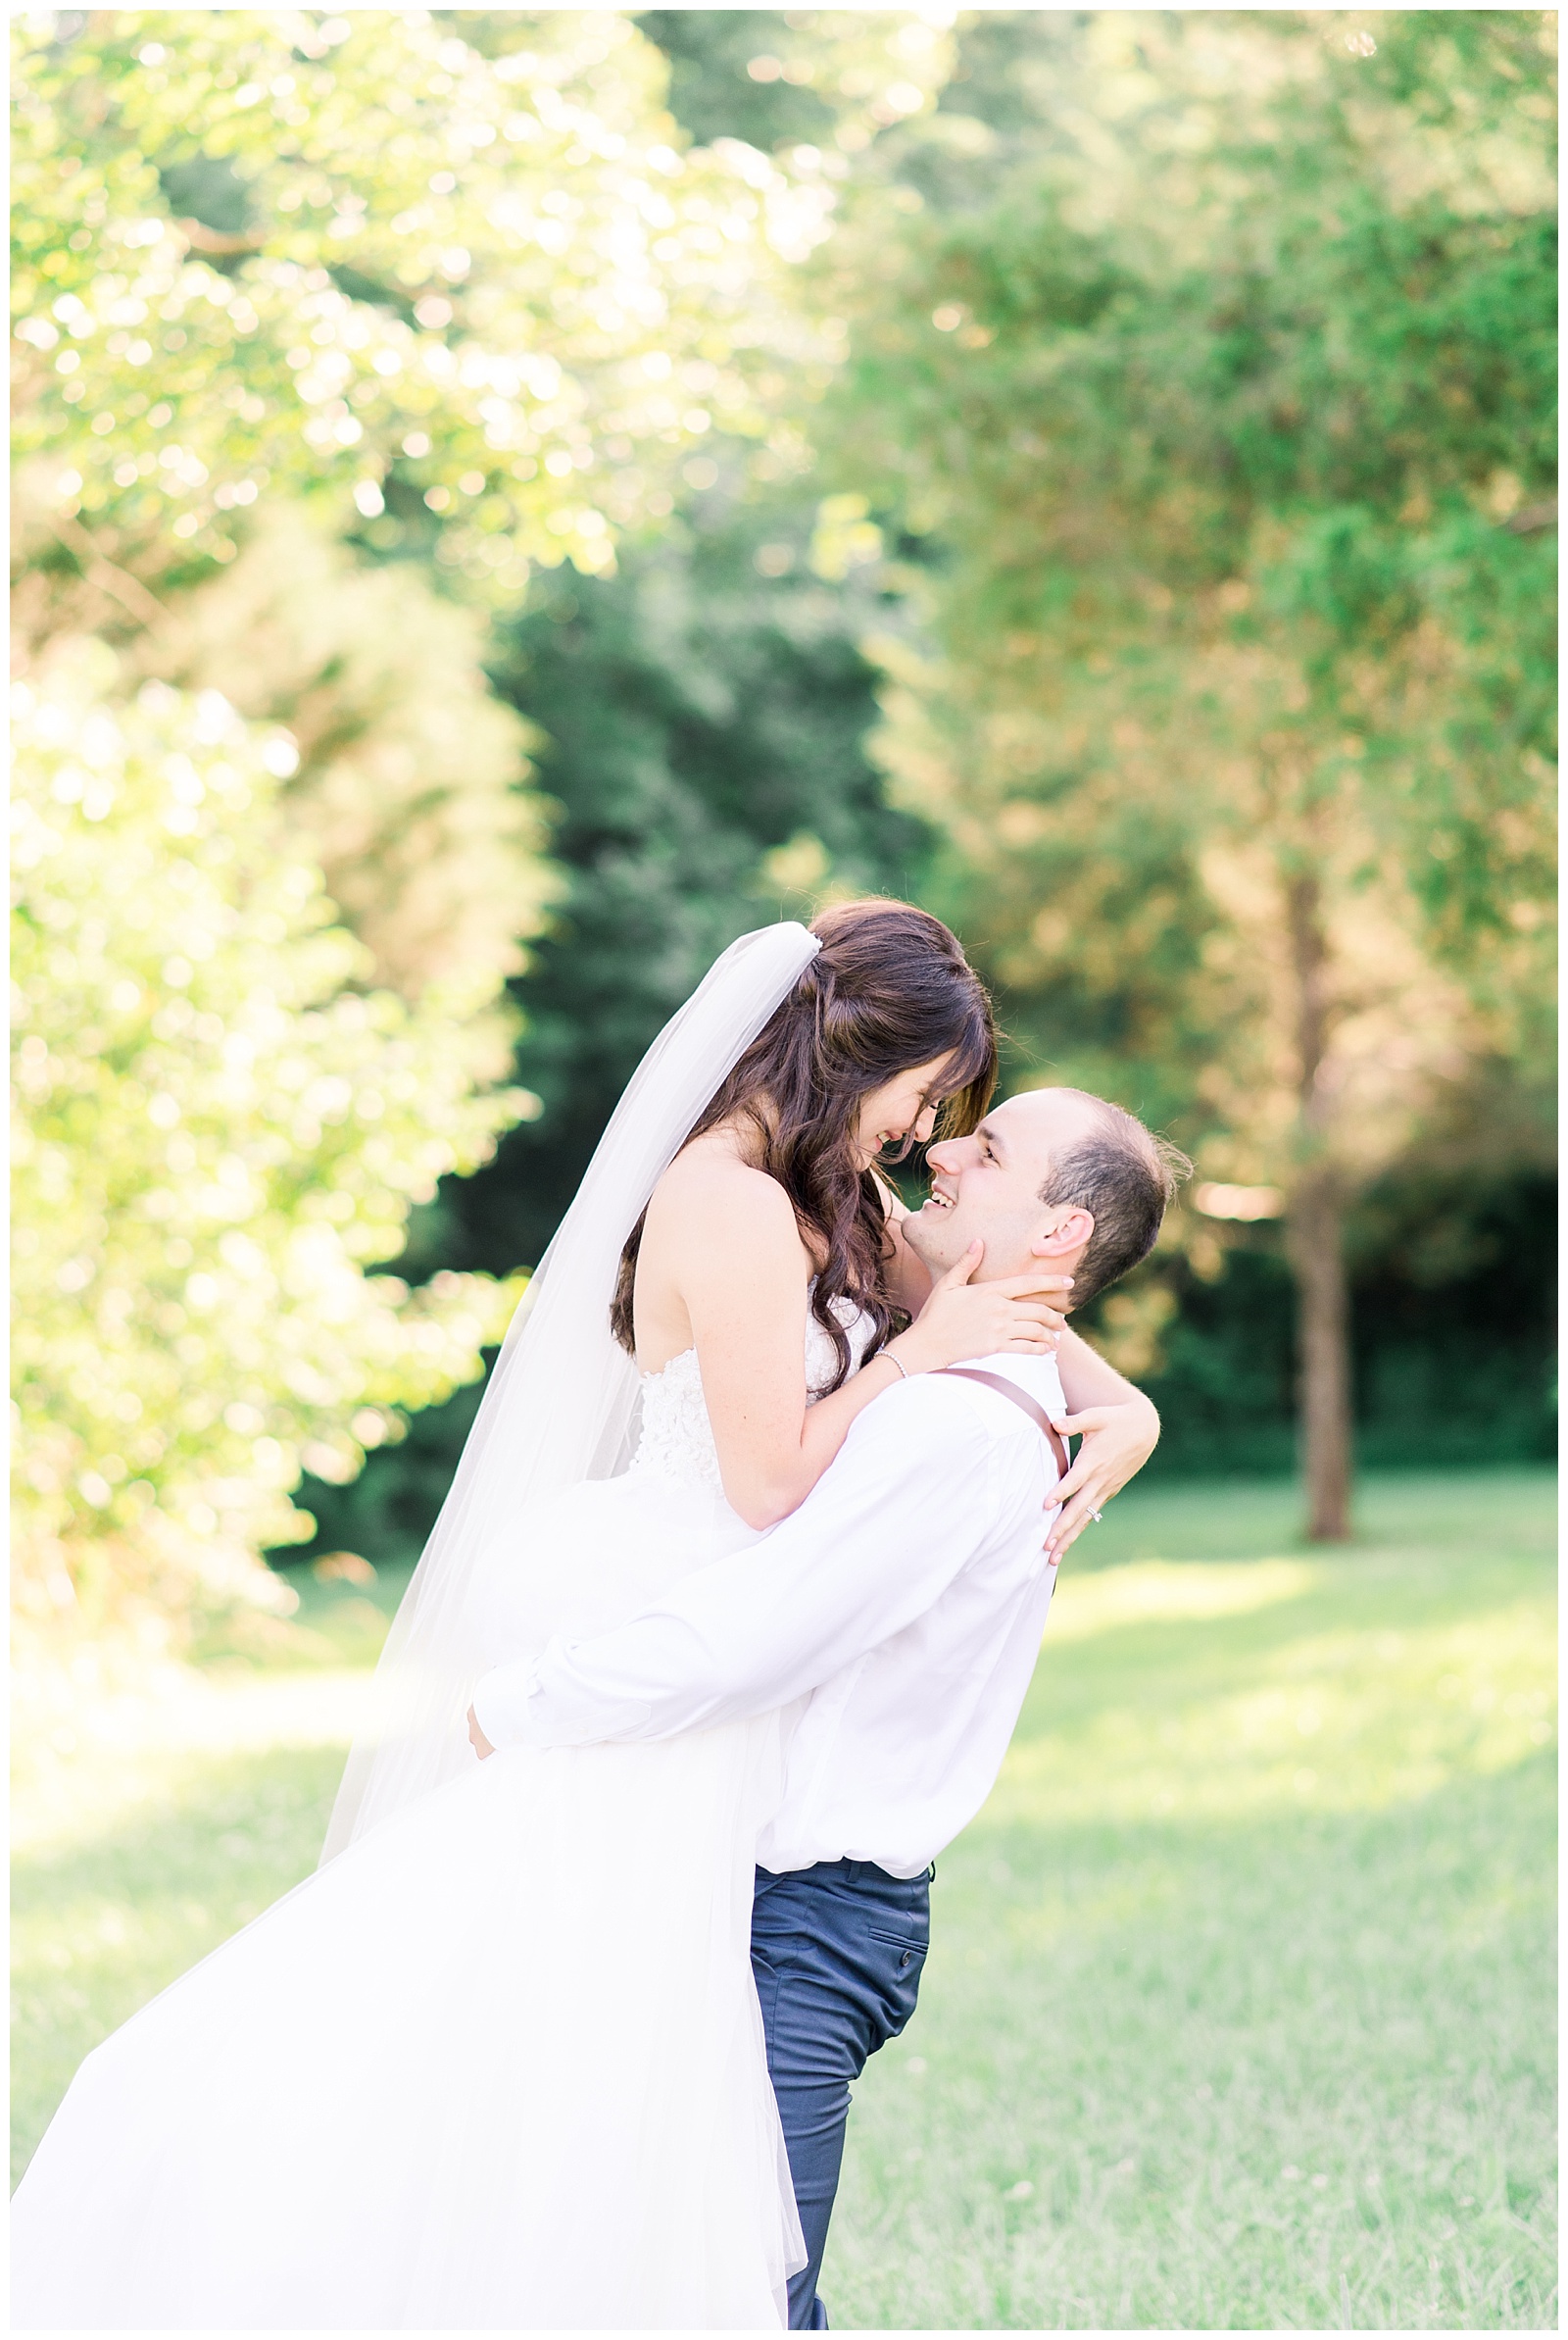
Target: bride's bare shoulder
x,y
709,1191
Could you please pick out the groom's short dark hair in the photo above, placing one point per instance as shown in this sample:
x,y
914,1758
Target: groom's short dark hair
x,y
1125,1178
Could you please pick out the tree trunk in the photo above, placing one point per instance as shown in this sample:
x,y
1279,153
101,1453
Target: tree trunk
x,y
1316,1245
1316,1240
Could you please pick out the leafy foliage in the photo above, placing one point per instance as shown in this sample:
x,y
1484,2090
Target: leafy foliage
x,y
820,83
1218,368
411,790
223,1136
1222,415
460,271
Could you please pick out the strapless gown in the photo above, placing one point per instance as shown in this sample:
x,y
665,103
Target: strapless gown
x,y
498,2066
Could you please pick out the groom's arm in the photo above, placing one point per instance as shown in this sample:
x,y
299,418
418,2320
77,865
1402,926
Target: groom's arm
x,y
908,1500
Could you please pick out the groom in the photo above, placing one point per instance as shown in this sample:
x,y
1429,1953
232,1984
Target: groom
x,y
903,1602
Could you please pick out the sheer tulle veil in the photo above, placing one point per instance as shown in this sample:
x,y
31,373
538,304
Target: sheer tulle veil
x,y
561,1400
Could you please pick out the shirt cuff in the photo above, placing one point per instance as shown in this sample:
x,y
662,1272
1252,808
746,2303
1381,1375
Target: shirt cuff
x,y
501,1704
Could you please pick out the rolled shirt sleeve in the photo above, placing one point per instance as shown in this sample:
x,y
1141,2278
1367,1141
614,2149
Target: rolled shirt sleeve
x,y
908,1501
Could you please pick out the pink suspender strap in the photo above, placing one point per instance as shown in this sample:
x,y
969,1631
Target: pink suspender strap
x,y
1037,1413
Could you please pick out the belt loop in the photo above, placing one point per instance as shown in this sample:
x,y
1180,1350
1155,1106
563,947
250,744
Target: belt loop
x,y
931,1875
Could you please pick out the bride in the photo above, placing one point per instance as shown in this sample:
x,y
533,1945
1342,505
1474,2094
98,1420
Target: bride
x,y
499,2064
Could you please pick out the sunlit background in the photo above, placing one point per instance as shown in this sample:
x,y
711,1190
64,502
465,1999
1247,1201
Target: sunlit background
x,y
505,501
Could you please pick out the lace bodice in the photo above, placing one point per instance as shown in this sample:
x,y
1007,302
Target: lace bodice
x,y
677,1438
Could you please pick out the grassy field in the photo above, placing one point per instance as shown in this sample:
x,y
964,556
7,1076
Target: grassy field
x,y
1239,2013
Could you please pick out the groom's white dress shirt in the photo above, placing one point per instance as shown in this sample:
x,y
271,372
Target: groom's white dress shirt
x,y
903,1602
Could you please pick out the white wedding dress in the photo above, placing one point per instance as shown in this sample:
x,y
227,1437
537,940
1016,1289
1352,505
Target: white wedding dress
x,y
499,2065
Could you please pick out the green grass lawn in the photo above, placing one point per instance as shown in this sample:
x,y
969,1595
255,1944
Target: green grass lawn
x,y
1239,2009
1239,2012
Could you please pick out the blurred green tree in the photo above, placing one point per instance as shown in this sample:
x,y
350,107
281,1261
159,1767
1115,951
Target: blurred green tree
x,y
222,1132
416,264
411,790
461,283
1217,369
811,86
447,280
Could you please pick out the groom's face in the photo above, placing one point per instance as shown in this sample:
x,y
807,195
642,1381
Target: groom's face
x,y
988,1184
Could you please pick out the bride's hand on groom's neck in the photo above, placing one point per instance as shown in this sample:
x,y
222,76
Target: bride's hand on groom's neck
x,y
1013,1315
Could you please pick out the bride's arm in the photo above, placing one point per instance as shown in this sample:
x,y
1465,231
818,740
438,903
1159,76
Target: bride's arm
x,y
1119,1429
728,1244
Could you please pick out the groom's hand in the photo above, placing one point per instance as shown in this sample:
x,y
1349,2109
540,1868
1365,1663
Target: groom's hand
x,y
476,1738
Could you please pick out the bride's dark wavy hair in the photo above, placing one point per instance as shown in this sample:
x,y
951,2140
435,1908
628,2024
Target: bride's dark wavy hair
x,y
890,989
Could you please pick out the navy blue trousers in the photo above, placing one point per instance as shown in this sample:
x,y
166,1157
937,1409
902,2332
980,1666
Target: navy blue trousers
x,y
837,1952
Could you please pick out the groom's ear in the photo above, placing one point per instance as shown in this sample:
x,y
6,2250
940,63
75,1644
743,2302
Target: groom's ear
x,y
1069,1234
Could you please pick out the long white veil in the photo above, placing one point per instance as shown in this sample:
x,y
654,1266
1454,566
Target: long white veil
x,y
560,1402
